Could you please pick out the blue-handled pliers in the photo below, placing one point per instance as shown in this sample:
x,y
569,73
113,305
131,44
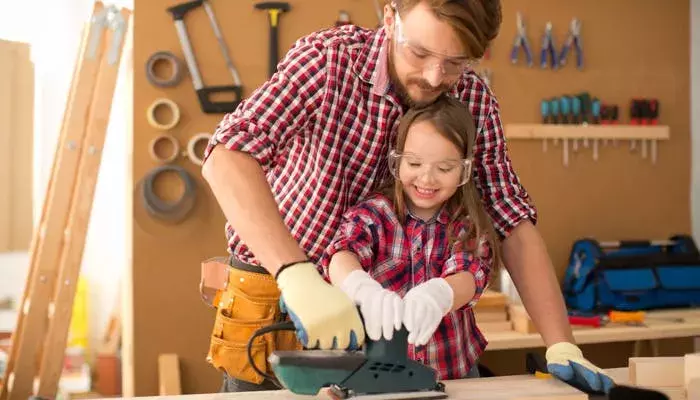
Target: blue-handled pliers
x,y
574,39
521,41
548,50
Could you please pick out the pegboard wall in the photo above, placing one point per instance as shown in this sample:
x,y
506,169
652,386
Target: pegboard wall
x,y
631,49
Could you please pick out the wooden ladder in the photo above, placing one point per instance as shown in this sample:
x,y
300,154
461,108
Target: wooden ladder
x,y
39,341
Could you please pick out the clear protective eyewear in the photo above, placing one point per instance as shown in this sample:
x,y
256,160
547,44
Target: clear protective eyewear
x,y
426,59
450,170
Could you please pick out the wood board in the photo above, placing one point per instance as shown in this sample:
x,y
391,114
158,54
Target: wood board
x,y
16,145
499,388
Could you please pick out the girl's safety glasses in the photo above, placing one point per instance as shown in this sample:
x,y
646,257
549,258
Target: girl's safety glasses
x,y
447,172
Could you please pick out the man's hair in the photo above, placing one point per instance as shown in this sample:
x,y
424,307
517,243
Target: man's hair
x,y
477,22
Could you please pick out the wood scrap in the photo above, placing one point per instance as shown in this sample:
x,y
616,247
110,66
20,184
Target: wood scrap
x,y
657,372
521,319
691,379
169,375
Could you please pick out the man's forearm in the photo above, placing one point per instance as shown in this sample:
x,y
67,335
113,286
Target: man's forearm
x,y
240,187
528,263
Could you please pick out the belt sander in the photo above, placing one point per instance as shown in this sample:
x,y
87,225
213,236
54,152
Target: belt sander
x,y
381,369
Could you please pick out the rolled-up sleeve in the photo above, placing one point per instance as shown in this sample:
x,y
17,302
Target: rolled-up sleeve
x,y
477,263
358,234
279,108
506,200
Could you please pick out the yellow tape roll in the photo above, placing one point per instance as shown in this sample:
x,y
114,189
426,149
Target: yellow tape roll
x,y
150,114
191,145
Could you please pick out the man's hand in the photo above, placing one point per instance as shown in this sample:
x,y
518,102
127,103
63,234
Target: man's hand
x,y
426,305
566,362
324,316
381,308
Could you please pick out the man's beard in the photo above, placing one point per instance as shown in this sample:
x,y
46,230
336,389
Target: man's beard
x,y
402,91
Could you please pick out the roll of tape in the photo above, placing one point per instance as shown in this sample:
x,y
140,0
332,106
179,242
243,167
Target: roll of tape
x,y
151,114
191,154
175,64
156,206
171,157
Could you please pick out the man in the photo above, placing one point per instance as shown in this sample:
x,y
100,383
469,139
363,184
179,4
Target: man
x,y
313,140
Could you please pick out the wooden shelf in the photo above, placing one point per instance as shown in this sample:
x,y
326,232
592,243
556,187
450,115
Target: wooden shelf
x,y
619,132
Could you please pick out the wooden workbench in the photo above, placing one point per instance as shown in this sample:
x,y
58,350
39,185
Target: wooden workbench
x,y
655,329
516,387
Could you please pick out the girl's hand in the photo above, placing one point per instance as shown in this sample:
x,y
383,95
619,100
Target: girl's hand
x,y
425,306
381,309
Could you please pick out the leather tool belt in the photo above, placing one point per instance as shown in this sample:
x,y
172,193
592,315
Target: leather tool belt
x,y
246,298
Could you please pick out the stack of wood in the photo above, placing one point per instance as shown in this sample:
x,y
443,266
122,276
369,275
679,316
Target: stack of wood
x,y
676,377
491,313
521,320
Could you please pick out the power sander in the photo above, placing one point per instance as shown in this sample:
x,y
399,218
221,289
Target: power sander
x,y
380,369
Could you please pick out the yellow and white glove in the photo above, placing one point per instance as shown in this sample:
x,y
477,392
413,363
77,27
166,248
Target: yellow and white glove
x,y
324,316
565,361
382,309
426,305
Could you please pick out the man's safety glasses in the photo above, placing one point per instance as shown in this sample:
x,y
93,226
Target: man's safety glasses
x,y
445,171
425,59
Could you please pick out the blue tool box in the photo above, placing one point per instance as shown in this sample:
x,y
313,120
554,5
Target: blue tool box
x,y
632,275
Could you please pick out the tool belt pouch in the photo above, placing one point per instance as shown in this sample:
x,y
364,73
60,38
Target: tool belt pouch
x,y
632,276
245,301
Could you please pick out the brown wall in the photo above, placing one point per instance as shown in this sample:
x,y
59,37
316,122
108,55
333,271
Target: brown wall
x,y
619,196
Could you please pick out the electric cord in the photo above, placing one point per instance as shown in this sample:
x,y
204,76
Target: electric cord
x,y
280,326
159,208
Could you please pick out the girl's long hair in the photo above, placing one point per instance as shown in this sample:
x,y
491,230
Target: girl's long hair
x,y
452,120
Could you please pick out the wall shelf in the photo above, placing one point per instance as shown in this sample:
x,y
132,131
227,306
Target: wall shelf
x,y
560,131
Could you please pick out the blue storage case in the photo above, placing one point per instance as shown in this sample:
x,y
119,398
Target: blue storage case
x,y
632,275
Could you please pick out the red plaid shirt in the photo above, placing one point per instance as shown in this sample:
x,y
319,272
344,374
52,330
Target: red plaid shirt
x,y
402,257
322,127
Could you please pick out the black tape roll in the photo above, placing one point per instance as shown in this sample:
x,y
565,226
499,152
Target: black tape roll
x,y
166,210
174,79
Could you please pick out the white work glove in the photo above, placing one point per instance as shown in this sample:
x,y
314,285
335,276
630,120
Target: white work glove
x,y
565,361
425,306
323,315
381,308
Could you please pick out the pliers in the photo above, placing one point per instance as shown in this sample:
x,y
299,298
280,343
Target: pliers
x,y
574,39
521,41
548,49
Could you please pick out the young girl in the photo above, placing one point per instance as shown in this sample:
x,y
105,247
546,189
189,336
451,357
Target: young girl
x,y
420,252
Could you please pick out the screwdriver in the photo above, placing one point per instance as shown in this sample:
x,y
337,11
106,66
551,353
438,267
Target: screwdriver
x,y
637,317
554,108
546,118
544,111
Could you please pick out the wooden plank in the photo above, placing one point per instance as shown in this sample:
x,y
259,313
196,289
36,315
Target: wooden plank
x,y
7,73
619,132
79,214
692,368
656,371
22,366
22,150
655,329
169,375
16,131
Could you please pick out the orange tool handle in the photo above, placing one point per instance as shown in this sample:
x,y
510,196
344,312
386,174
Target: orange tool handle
x,y
626,316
